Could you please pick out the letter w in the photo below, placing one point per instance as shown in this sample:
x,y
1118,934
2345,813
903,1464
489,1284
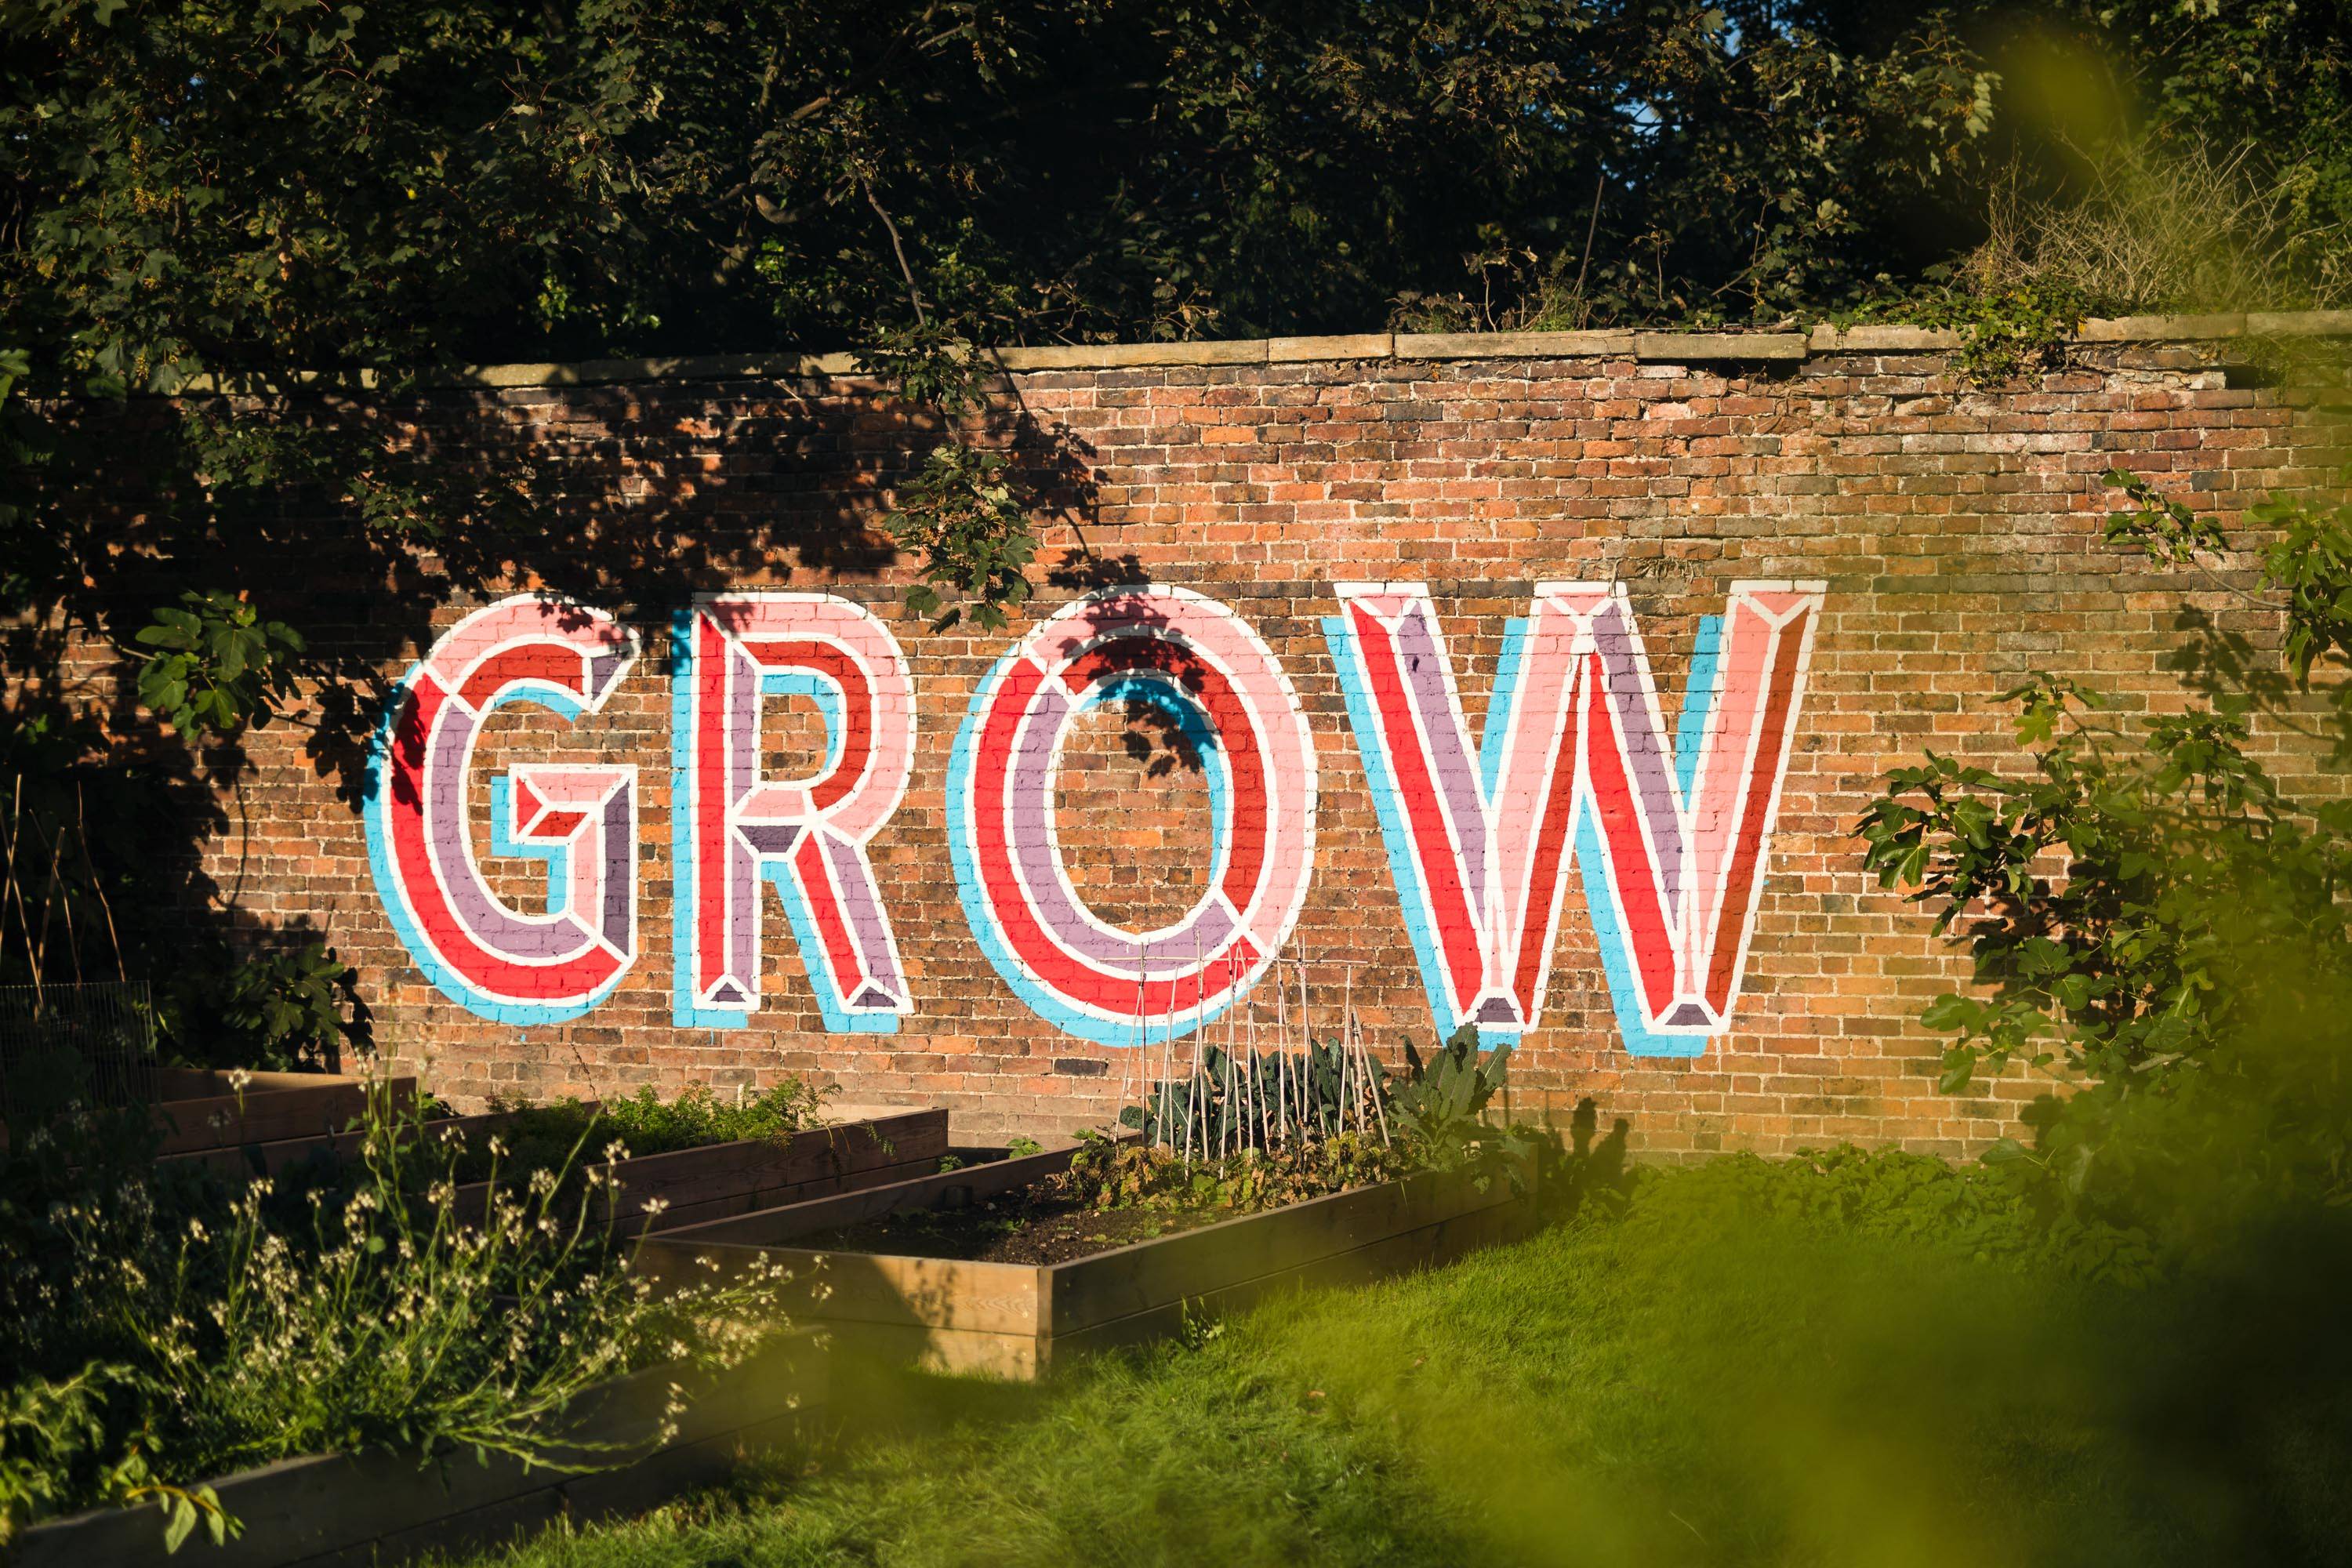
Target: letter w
x,y
1576,761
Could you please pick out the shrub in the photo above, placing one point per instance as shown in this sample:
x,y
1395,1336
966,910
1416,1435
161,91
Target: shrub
x,y
285,1009
2261,235
1984,1212
230,1335
2157,924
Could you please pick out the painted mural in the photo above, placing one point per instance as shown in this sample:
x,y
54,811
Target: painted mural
x,y
734,830
1669,832
518,966
1197,661
1576,766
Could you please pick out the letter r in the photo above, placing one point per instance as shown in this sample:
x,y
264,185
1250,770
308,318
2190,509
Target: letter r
x,y
732,829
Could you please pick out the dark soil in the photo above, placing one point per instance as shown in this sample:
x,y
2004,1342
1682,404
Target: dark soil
x,y
1033,1224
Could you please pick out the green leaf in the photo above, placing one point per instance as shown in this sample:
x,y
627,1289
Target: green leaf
x,y
179,1520
1949,1012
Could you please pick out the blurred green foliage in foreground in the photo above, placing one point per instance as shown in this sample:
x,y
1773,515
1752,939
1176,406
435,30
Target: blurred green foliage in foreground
x,y
1848,1358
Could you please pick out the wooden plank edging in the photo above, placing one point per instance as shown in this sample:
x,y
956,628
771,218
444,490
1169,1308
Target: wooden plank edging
x,y
1086,1292
381,1507
247,1160
773,1225
1442,1240
1013,1320
701,1184
273,1108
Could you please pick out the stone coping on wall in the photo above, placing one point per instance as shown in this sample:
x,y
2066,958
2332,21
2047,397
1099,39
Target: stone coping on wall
x,y
1659,347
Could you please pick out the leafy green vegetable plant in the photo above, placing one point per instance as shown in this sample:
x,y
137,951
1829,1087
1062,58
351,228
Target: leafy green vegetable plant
x,y
1114,1174
1440,1112
1261,1100
1253,1133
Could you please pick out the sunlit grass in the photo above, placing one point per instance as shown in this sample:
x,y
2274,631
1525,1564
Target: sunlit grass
x,y
1719,1380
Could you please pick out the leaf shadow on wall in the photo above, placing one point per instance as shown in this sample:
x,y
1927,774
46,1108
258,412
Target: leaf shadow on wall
x,y
2219,663
404,509
1156,734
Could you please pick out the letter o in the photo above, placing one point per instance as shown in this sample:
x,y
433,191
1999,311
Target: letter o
x,y
1195,658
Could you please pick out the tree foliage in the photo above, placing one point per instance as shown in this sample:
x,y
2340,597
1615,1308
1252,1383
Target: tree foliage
x,y
258,192
197,187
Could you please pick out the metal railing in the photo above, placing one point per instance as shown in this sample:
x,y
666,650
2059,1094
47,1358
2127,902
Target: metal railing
x,y
93,1043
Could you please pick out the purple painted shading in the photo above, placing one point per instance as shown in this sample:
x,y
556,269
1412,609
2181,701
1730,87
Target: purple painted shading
x,y
603,667
861,906
769,838
1456,771
740,689
620,841
1689,1013
1645,750
1498,1010
489,922
1204,933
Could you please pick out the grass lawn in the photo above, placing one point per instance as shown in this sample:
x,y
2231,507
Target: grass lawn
x,y
1752,1364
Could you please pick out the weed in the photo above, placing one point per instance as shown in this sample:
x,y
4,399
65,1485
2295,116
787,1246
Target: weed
x,y
152,1327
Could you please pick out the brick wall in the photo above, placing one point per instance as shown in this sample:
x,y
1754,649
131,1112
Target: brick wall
x,y
1954,534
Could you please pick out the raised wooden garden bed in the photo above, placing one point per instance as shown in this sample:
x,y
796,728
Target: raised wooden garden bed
x,y
1018,1321
248,1160
861,1146
336,1509
203,1111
